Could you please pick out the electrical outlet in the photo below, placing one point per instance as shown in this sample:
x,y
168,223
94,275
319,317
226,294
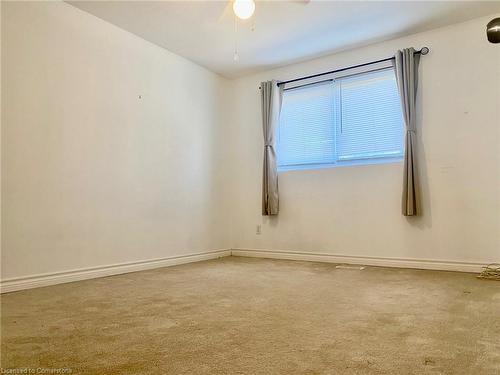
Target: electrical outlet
x,y
258,229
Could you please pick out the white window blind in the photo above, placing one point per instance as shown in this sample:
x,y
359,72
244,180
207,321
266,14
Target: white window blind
x,y
306,134
371,120
353,119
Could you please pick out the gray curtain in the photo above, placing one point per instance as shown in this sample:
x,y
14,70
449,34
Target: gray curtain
x,y
406,66
271,98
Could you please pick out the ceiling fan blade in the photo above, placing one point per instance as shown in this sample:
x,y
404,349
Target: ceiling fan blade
x,y
226,12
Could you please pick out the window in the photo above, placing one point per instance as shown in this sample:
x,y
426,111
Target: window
x,y
347,120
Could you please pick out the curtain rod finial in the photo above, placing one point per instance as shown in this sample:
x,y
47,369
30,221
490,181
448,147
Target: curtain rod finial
x,y
424,50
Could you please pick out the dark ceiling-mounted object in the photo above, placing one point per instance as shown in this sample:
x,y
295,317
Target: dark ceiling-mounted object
x,y
493,30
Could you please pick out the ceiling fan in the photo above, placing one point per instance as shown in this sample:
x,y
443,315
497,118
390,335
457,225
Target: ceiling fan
x,y
244,9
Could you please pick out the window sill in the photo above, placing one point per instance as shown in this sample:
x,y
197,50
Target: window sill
x,y
343,163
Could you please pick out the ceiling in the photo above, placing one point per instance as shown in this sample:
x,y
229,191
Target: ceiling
x,y
283,32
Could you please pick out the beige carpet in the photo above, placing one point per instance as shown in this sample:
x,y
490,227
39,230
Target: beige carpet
x,y
255,316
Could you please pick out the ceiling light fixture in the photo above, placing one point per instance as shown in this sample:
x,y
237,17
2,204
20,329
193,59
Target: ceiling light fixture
x,y
244,8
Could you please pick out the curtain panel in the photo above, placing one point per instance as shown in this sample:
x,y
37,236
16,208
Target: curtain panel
x,y
271,99
406,68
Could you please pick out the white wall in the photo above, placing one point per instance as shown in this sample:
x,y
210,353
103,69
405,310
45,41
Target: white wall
x,y
91,174
355,210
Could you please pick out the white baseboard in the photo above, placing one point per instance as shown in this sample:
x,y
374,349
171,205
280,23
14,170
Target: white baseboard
x,y
424,264
36,281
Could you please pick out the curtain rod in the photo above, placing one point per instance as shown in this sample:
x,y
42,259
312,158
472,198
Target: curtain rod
x,y
423,51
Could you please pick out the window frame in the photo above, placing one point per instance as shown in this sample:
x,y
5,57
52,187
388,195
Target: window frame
x,y
386,159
